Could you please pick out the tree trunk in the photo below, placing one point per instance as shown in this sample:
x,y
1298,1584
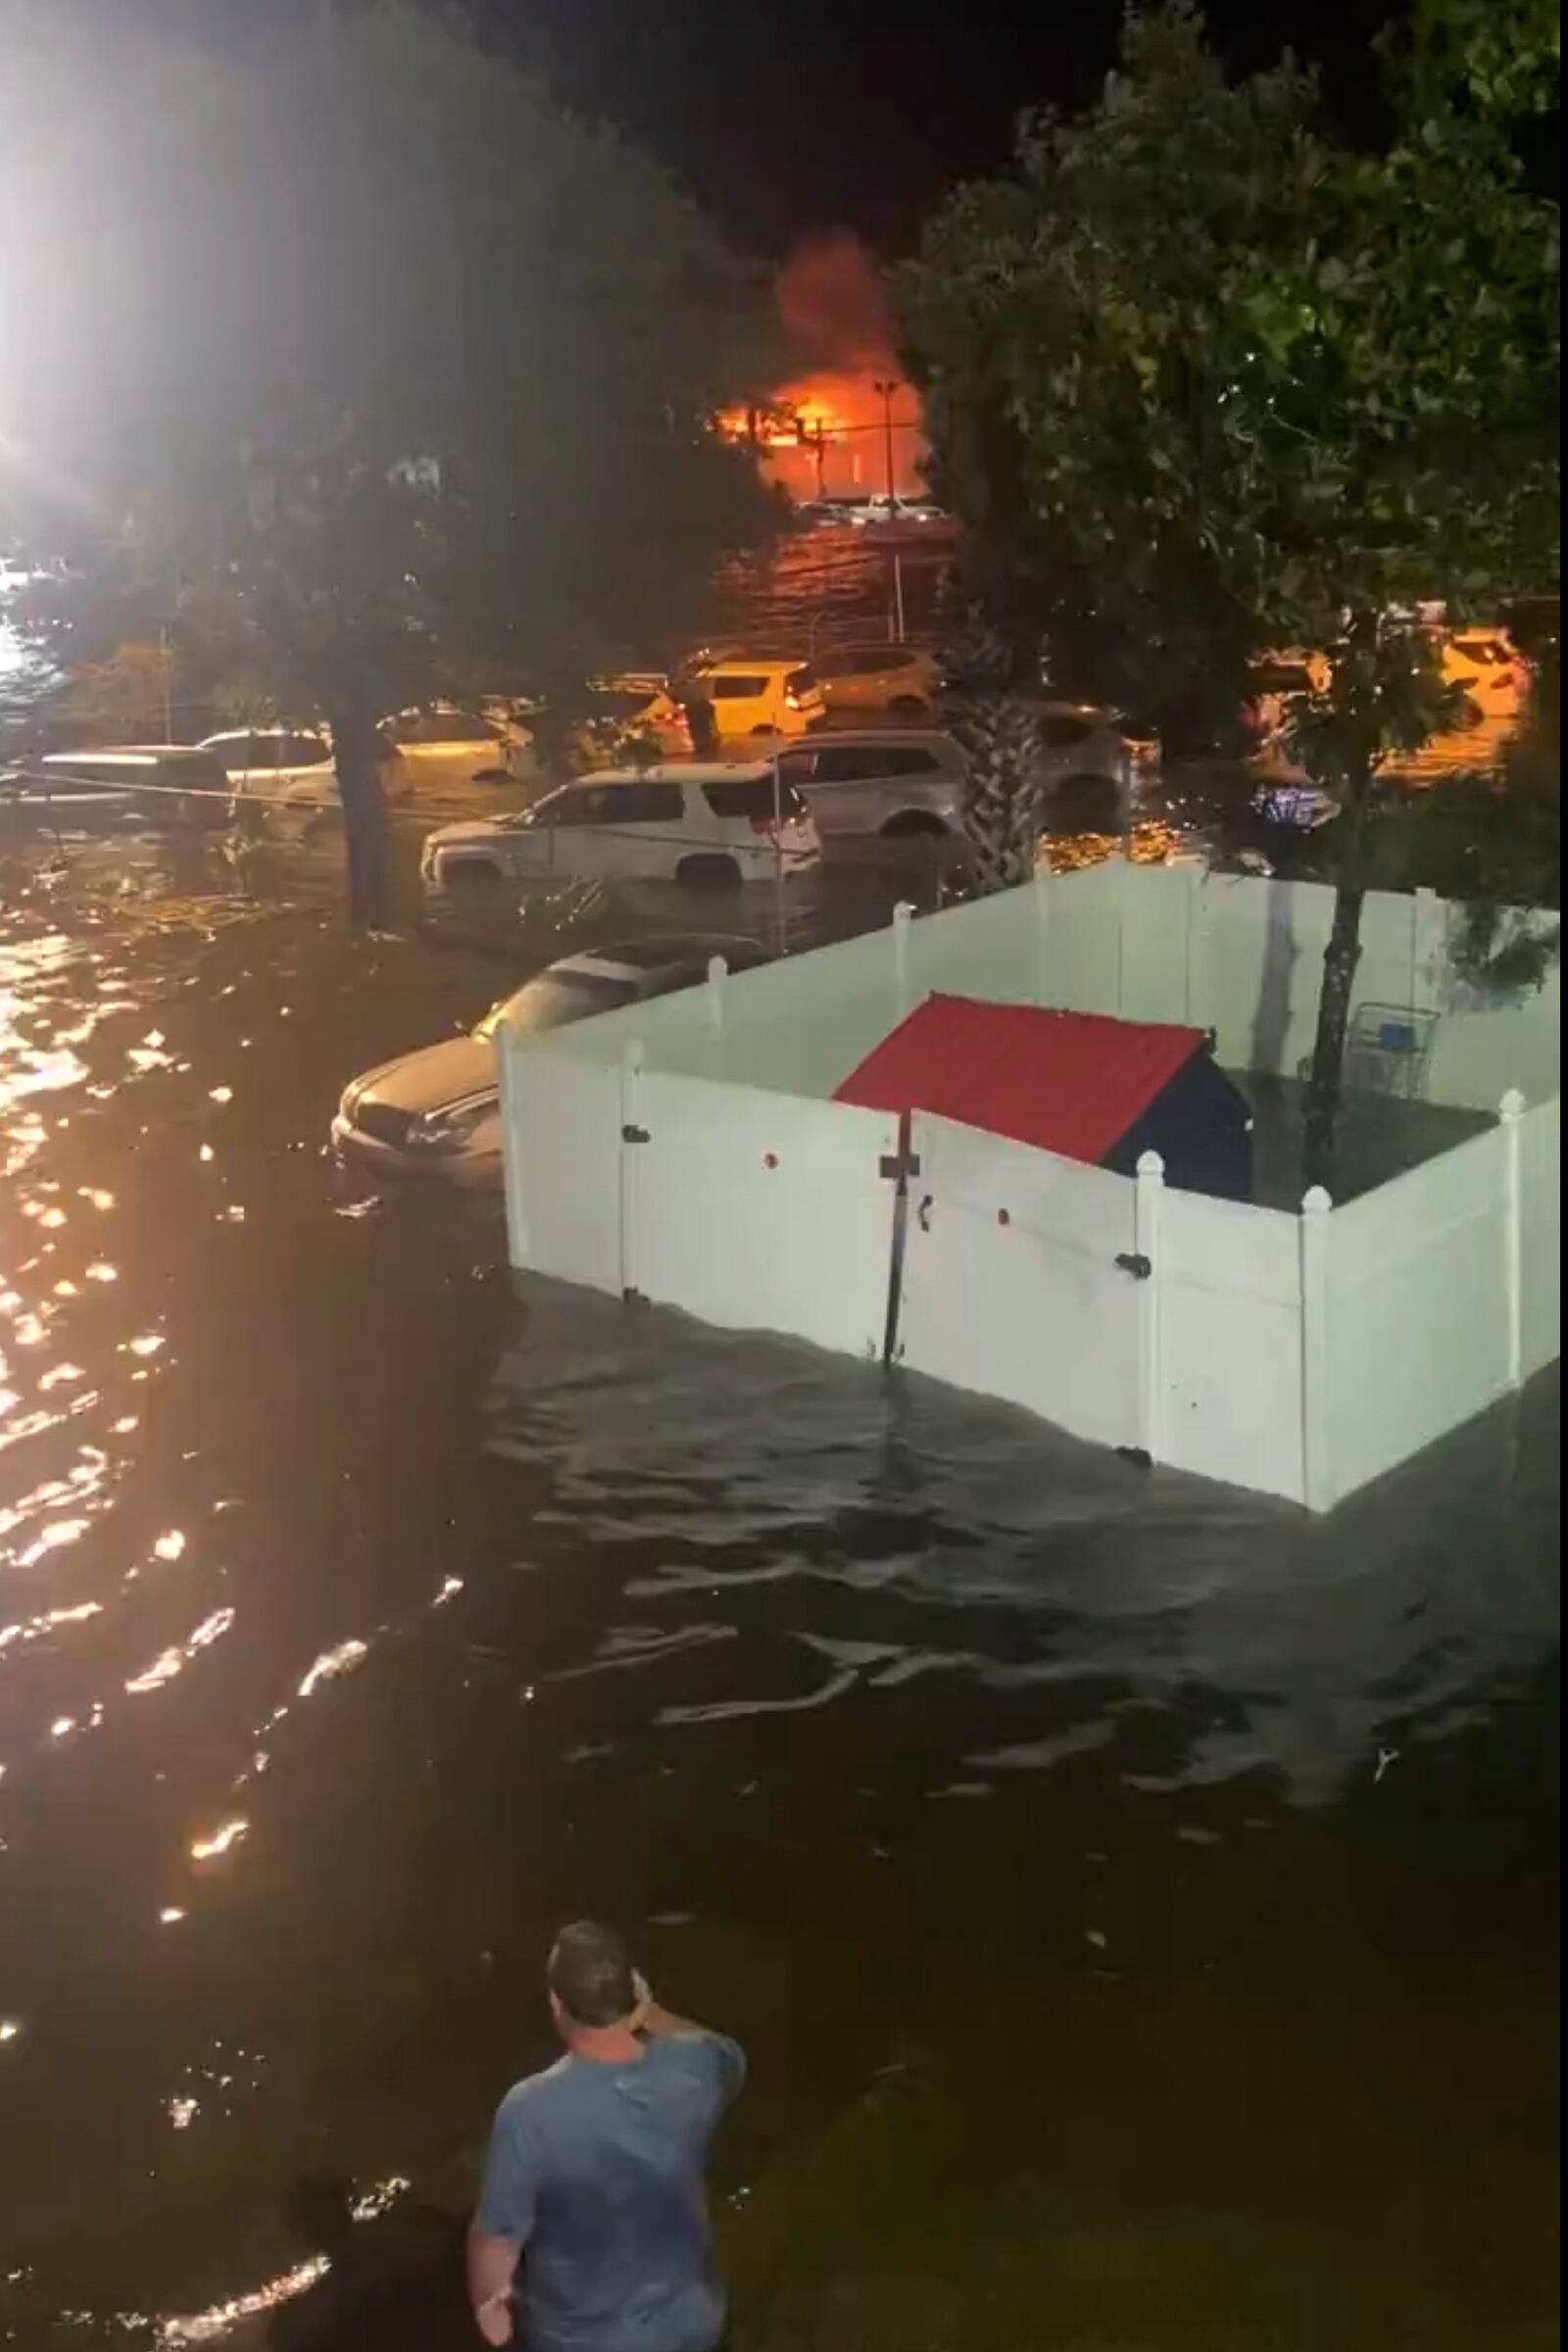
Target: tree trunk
x,y
1001,793
1339,960
358,756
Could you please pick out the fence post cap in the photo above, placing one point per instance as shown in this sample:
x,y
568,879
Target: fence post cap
x,y
1512,1105
902,913
1316,1201
716,968
1151,1165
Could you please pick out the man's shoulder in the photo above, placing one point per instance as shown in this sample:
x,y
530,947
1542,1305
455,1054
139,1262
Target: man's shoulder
x,y
535,2094
705,2057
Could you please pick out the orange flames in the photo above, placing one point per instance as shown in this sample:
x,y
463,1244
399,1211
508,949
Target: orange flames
x,y
824,432
826,435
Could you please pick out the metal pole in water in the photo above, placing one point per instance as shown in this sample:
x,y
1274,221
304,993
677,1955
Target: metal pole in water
x,y
780,924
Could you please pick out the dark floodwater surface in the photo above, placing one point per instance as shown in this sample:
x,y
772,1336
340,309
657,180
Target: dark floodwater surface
x,y
1139,1902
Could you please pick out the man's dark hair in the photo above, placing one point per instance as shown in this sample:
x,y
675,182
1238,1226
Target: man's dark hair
x,y
590,1974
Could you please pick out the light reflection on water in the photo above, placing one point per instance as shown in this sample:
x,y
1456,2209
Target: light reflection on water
x,y
358,1622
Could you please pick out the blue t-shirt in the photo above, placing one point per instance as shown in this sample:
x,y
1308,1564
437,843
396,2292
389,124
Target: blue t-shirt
x,y
596,2171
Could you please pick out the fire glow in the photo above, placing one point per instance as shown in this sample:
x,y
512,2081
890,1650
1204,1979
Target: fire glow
x,y
830,428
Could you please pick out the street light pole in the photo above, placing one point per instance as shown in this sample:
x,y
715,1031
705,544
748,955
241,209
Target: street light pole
x,y
885,392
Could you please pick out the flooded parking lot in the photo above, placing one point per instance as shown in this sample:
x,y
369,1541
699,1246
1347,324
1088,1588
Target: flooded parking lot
x,y
1139,1902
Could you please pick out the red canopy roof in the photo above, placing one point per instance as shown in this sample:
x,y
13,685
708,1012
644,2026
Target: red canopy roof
x,y
1066,1082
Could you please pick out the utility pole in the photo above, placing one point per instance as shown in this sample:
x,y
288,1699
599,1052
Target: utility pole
x,y
885,392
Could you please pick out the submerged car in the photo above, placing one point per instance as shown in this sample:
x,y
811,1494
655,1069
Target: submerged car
x,y
437,1109
293,767
119,788
756,698
898,680
908,782
882,508
1488,670
442,744
719,822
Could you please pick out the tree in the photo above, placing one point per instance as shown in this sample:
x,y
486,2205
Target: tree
x,y
1203,382
991,716
128,695
369,369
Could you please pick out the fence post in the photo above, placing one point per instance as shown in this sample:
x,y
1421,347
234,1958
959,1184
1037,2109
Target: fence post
x,y
1317,1468
1147,1202
1042,889
718,975
632,1070
511,1156
1510,1110
903,914
1428,955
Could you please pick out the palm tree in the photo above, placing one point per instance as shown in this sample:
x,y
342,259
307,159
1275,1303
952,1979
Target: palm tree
x,y
999,732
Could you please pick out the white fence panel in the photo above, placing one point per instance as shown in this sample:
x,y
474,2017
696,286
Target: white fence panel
x,y
1539,1133
760,1211
1080,954
561,1119
1010,1284
1417,1329
1228,1282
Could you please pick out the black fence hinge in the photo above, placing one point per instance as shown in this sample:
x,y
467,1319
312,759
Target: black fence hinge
x,y
1134,1262
634,1135
897,1165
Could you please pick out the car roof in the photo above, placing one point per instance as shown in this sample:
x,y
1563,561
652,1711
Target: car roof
x,y
745,665
667,771
654,953
135,755
821,738
303,726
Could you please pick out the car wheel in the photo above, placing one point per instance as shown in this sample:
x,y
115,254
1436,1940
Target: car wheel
x,y
909,706
914,825
708,873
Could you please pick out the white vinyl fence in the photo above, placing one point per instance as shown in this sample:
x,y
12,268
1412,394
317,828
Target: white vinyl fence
x,y
684,1151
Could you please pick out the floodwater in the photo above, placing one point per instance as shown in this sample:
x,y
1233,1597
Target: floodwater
x,y
1138,1903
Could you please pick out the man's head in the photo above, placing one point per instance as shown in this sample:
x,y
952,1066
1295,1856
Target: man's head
x,y
591,1980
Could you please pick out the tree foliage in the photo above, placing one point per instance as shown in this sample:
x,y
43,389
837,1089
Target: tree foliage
x,y
1204,380
357,358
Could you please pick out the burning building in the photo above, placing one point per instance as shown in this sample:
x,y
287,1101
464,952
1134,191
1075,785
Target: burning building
x,y
848,422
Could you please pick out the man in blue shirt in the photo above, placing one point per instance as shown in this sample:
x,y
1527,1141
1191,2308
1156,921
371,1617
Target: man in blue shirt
x,y
595,2173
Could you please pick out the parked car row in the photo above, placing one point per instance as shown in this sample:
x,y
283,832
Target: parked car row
x,y
728,823
861,514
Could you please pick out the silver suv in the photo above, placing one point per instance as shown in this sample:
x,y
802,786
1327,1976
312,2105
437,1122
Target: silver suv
x,y
903,782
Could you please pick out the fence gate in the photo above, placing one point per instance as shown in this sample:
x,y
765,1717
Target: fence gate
x,y
1023,1279
760,1211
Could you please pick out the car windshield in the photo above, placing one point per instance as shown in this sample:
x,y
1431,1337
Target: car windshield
x,y
556,998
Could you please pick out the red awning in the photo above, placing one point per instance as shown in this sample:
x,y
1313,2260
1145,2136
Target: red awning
x,y
1067,1082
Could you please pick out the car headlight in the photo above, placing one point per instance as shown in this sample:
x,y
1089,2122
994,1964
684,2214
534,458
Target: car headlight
x,y
449,1130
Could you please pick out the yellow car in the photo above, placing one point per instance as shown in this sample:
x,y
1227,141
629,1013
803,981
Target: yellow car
x,y
1489,670
898,680
756,698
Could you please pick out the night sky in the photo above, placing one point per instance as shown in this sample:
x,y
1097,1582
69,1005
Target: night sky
x,y
808,114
